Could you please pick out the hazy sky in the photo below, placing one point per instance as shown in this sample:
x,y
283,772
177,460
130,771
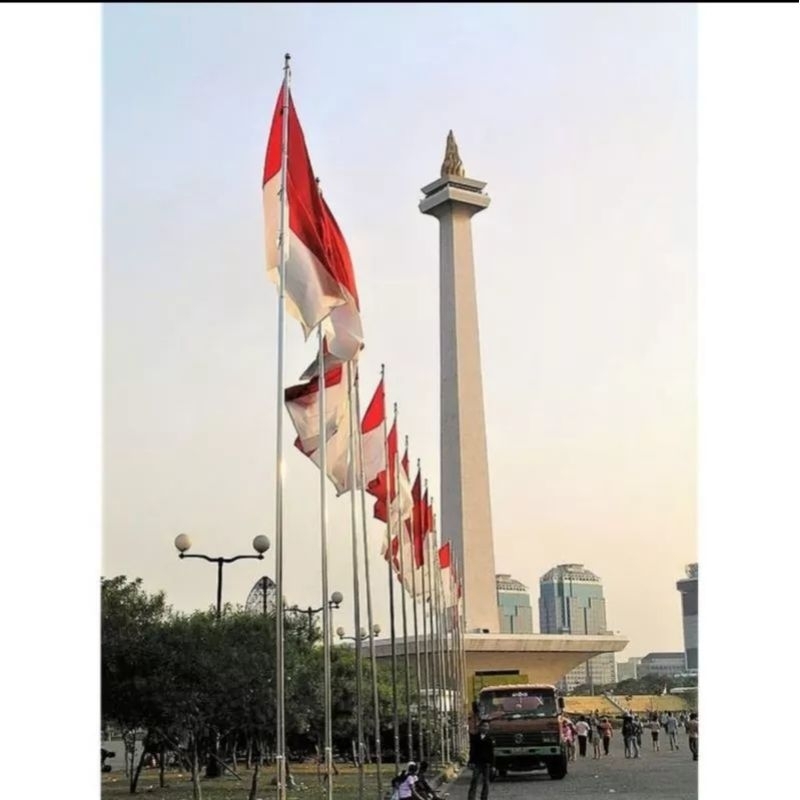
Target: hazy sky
x,y
581,119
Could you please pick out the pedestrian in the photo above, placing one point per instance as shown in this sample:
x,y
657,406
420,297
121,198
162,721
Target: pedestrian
x,y
629,737
637,724
672,732
693,731
596,743
655,729
606,732
481,760
568,735
583,729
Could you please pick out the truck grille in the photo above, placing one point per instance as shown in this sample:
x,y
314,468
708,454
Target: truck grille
x,y
518,739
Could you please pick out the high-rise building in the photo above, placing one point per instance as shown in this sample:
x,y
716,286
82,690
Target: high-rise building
x,y
628,670
571,602
688,589
514,604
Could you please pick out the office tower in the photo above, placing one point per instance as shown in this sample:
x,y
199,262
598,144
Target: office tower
x,y
514,604
688,589
571,602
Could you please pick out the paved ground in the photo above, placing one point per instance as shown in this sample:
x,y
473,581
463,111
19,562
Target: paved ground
x,y
664,775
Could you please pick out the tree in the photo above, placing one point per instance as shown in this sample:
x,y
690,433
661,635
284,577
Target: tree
x,y
130,624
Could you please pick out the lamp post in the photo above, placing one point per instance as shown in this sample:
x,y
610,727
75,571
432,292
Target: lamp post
x,y
182,543
336,600
376,629
362,636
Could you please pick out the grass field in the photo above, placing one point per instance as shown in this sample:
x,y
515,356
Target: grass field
x,y
179,785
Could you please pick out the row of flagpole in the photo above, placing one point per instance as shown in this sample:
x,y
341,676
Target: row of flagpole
x,y
316,284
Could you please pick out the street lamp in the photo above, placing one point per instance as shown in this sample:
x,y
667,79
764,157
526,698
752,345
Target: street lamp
x,y
182,543
340,632
336,600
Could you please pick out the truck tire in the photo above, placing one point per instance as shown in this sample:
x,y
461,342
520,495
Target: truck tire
x,y
557,768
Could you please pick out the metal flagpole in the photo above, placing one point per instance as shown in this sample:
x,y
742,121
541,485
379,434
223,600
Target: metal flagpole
x,y
376,719
433,572
426,671
356,591
401,548
420,734
426,625
326,607
283,244
438,673
462,626
392,631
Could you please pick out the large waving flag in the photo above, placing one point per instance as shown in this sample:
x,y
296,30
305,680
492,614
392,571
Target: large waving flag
x,y
320,283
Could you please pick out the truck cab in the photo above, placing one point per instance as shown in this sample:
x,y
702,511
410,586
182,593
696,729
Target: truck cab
x,y
525,723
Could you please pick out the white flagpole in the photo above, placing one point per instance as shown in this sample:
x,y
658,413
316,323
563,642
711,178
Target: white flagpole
x,y
420,734
356,589
326,606
426,666
283,244
401,547
376,720
439,683
392,631
426,651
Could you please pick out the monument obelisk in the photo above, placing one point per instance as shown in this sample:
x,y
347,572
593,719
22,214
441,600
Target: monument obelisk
x,y
465,504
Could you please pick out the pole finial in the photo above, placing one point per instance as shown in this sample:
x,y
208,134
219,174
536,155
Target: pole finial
x,y
452,164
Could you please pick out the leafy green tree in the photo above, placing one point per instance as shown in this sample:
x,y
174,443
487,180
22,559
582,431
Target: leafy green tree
x,y
131,621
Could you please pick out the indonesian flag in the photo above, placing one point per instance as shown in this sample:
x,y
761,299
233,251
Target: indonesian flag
x,y
384,483
302,402
447,574
418,521
320,283
373,443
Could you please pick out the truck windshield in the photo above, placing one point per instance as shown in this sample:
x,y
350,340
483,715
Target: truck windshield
x,y
517,704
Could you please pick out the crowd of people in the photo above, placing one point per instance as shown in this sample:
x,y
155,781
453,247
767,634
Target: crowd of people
x,y
593,730
598,732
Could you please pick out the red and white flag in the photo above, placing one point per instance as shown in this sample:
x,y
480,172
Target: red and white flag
x,y
302,402
320,283
384,483
447,575
418,520
373,444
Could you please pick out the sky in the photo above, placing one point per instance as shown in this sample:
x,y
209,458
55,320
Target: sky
x,y
582,121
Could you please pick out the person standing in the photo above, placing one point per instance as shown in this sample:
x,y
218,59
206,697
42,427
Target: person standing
x,y
568,735
583,729
693,732
655,729
629,737
672,731
481,759
606,732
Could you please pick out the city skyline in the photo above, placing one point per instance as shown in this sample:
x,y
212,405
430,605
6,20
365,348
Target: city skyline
x,y
580,265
